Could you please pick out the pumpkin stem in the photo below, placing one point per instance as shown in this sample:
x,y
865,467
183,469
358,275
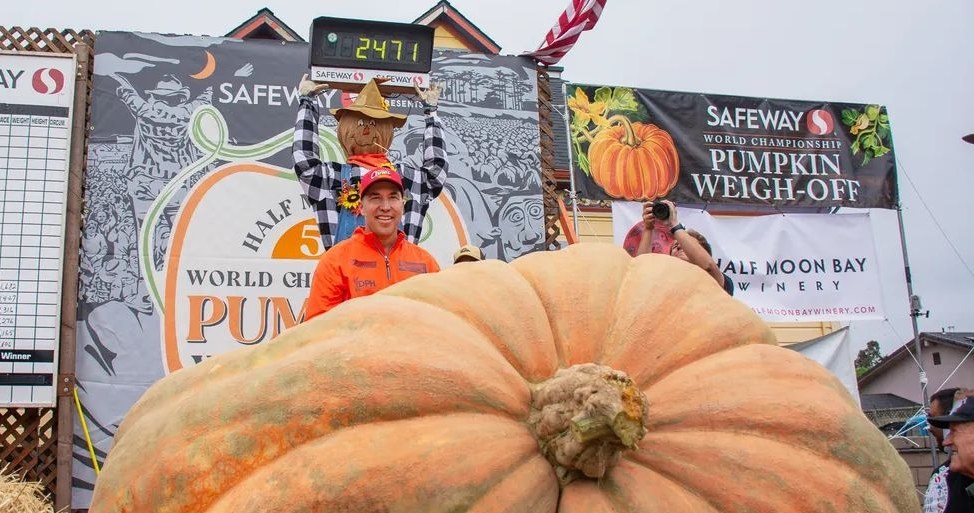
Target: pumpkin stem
x,y
630,138
584,417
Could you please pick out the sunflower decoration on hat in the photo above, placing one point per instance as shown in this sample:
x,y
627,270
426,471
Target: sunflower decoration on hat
x,y
350,199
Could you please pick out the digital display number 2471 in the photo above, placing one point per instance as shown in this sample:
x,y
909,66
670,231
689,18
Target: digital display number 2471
x,y
387,49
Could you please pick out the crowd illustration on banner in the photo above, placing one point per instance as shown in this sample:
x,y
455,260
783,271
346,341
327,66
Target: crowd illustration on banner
x,y
282,255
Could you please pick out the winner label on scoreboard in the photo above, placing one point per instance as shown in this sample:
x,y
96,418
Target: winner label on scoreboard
x,y
36,96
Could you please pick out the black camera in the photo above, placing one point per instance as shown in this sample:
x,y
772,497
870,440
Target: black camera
x,y
661,211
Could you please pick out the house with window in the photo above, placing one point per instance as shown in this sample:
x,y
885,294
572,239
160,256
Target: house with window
x,y
947,360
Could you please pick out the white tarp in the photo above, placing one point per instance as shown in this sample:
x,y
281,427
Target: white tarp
x,y
833,352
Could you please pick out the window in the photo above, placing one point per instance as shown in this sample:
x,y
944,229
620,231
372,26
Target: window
x,y
936,358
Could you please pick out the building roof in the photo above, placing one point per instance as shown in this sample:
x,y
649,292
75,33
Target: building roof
x,y
885,402
265,25
444,13
961,340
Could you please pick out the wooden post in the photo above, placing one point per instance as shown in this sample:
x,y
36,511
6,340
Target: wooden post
x,y
549,186
69,286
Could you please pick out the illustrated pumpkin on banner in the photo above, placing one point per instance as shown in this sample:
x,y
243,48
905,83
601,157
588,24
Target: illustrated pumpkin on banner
x,y
365,131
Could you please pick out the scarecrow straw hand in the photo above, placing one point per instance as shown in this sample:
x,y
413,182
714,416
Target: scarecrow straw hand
x,y
310,88
430,97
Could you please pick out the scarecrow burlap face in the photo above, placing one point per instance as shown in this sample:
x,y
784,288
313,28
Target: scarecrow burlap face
x,y
361,135
365,127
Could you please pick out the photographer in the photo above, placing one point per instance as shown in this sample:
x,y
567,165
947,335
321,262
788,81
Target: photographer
x,y
688,245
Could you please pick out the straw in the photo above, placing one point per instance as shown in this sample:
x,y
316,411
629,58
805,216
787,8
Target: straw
x,y
19,496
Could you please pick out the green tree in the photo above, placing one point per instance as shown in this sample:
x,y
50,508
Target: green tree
x,y
868,357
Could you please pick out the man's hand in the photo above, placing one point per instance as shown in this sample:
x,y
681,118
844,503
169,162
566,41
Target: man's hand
x,y
430,97
669,222
648,220
310,88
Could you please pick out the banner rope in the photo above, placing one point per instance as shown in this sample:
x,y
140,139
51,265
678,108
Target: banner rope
x,y
84,429
950,243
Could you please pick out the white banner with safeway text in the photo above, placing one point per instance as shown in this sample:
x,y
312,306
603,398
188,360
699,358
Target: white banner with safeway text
x,y
787,267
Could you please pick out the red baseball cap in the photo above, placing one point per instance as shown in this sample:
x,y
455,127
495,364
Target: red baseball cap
x,y
376,175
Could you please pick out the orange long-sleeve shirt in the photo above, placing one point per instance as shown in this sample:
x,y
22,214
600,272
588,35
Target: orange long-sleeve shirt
x,y
359,267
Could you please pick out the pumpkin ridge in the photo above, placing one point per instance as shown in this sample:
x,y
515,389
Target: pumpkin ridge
x,y
627,458
298,351
691,293
559,347
230,364
780,448
787,357
416,291
266,467
545,272
530,458
175,407
713,508
476,329
610,329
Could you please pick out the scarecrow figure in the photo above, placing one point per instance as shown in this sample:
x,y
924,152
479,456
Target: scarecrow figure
x,y
365,133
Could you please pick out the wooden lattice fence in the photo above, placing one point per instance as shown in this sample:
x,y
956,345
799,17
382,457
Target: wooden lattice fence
x,y
36,443
549,185
29,444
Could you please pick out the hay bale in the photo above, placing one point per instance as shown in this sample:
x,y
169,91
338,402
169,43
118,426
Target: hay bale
x,y
19,496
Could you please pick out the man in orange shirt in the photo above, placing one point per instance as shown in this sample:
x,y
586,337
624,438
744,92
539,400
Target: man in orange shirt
x,y
376,255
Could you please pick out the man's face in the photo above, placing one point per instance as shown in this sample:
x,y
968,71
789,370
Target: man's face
x,y
382,207
937,410
676,250
961,438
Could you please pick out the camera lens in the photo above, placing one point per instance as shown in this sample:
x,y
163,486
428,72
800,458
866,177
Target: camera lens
x,y
661,211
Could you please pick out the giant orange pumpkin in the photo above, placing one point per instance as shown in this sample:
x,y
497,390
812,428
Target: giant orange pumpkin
x,y
581,380
634,161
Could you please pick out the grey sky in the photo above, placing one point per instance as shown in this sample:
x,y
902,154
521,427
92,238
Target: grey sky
x,y
914,57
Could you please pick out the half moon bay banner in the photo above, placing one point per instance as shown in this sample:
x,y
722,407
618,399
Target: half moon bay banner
x,y
197,238
795,267
753,153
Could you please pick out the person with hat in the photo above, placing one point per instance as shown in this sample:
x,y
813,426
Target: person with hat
x,y
958,428
468,253
365,130
375,256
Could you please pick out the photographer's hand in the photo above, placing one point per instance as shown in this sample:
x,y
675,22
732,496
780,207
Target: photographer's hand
x,y
648,220
672,220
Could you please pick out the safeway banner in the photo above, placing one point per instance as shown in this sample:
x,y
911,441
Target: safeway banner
x,y
197,237
734,151
787,267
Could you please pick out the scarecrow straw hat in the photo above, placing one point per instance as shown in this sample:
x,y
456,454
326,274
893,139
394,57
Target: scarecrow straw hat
x,y
371,104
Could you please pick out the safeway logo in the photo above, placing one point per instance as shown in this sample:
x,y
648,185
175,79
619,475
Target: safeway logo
x,y
48,81
820,122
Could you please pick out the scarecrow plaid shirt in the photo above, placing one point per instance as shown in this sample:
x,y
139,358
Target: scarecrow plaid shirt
x,y
322,180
